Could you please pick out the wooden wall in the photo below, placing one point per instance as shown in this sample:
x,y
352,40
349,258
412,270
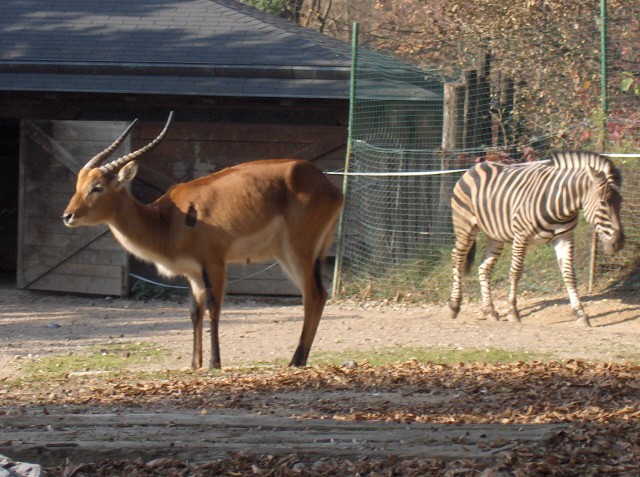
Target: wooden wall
x,y
51,256
207,135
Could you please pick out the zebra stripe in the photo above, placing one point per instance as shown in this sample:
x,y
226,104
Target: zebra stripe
x,y
533,203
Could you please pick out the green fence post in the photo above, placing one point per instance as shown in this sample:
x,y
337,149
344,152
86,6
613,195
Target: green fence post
x,y
352,94
603,131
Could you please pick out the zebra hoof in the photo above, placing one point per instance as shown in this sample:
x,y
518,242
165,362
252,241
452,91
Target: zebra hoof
x,y
583,320
513,317
453,311
489,313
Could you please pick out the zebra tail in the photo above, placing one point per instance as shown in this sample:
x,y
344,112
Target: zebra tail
x,y
471,256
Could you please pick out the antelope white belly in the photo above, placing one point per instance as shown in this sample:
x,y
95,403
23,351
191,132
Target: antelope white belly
x,y
259,246
169,267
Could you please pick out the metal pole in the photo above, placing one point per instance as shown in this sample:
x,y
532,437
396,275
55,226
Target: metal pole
x,y
604,105
604,100
337,270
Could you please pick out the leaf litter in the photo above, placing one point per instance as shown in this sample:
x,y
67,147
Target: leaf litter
x,y
600,402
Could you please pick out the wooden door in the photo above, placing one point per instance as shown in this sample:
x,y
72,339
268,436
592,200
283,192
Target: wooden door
x,y
51,256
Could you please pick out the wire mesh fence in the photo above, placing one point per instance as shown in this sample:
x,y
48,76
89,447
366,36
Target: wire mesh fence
x,y
413,132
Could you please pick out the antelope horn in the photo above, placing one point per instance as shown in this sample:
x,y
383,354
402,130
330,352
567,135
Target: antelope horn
x,y
100,157
116,165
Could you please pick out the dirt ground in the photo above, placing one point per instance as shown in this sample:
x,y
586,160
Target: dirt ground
x,y
260,331
407,419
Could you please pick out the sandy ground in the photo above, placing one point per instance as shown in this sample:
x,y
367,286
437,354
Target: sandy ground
x,y
249,422
254,331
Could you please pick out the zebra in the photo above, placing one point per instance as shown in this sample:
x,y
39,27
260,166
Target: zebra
x,y
531,203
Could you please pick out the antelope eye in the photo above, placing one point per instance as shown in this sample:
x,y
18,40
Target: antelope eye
x,y
96,188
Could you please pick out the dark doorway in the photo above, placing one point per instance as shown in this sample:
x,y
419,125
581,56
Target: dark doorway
x,y
9,187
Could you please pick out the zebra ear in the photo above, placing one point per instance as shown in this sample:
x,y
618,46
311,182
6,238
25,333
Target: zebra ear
x,y
598,178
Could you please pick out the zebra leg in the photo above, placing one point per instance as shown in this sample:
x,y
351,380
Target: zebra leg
x,y
485,270
457,260
518,251
461,258
564,254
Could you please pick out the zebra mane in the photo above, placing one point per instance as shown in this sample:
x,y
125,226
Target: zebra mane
x,y
582,159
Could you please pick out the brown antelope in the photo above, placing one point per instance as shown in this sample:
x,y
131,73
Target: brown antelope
x,y
283,209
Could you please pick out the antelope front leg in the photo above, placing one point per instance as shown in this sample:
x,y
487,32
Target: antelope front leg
x,y
564,255
214,281
197,311
518,251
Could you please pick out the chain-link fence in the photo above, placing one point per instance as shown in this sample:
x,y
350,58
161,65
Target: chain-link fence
x,y
412,132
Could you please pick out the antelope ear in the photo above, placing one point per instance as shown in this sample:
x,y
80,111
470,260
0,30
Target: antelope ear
x,y
127,173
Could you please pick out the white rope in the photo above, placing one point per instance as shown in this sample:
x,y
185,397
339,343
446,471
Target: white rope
x,y
253,274
147,280
395,174
451,171
423,173
179,287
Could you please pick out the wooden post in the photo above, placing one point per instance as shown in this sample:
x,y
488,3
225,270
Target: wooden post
x,y
453,117
482,120
468,133
504,118
452,141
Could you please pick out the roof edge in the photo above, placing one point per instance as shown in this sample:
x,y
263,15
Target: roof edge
x,y
319,72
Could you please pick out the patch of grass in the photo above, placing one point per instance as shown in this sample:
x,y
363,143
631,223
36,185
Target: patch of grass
x,y
429,277
630,356
434,355
146,291
105,358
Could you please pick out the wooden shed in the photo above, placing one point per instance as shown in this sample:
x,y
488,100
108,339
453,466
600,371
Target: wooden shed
x,y
243,84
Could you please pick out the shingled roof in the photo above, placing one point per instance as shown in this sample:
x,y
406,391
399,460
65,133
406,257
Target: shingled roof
x,y
183,47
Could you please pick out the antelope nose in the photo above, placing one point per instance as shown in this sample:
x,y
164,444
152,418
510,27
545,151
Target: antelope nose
x,y
67,218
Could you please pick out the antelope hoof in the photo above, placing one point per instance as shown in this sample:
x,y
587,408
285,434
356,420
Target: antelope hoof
x,y
299,357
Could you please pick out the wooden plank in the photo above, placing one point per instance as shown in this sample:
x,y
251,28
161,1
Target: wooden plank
x,y
197,437
45,209
68,244
80,284
48,144
152,177
60,241
90,257
234,132
35,270
321,148
89,132
263,288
